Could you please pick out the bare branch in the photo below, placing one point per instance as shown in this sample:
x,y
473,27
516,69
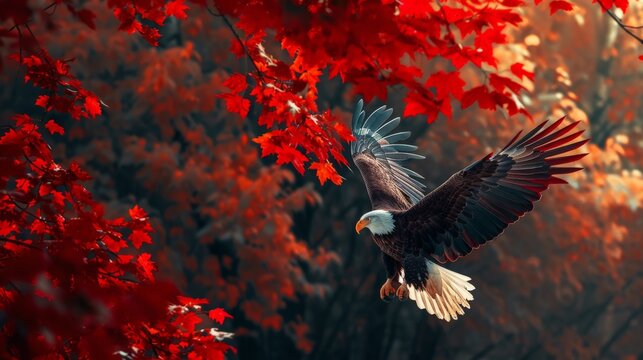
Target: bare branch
x,y
620,23
236,35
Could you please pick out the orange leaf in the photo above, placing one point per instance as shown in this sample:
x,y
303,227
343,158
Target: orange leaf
x,y
326,171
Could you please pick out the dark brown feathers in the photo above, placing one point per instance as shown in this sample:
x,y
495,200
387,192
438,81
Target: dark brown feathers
x,y
476,204
381,188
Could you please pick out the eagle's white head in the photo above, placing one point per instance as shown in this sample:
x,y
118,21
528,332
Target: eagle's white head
x,y
379,222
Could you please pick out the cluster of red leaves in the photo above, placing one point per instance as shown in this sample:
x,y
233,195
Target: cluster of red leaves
x,y
608,4
74,283
373,58
287,95
247,257
65,93
88,269
132,14
381,44
300,131
562,5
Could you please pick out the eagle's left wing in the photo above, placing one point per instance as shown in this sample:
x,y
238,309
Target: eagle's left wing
x,y
379,158
476,204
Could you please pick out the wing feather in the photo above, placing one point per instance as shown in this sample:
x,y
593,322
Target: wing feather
x,y
380,159
478,203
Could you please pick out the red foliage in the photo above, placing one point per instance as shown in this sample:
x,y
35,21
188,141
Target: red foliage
x,y
64,92
73,280
558,5
373,59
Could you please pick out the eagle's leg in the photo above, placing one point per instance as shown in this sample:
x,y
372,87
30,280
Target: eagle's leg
x,y
393,268
402,292
389,287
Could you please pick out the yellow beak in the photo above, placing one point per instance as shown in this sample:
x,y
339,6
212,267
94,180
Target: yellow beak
x,y
361,225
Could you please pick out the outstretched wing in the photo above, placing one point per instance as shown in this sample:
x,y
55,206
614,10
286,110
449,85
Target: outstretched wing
x,y
379,159
476,204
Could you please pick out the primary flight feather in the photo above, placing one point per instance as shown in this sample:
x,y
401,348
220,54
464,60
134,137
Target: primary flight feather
x,y
472,207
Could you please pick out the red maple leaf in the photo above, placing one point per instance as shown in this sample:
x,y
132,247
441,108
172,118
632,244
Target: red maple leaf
x,y
500,83
54,128
518,70
92,106
236,83
43,101
219,315
145,264
138,237
290,155
622,4
447,84
268,145
371,87
326,171
189,301
481,95
416,104
137,213
188,321
236,104
177,9
558,5
150,34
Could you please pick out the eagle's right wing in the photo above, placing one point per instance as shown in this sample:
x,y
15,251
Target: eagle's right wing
x,y
379,159
476,204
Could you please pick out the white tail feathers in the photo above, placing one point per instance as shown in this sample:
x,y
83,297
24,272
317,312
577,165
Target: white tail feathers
x,y
445,293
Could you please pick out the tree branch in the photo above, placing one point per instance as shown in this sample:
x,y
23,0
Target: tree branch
x,y
620,23
20,243
620,331
236,35
260,73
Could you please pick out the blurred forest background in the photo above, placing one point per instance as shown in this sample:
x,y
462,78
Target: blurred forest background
x,y
278,250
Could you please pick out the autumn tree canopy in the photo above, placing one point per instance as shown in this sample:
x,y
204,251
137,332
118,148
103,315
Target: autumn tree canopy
x,y
146,162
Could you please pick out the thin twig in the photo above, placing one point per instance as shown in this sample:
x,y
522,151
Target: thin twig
x,y
53,11
236,35
54,4
26,211
150,340
21,243
19,41
621,330
635,27
43,53
118,277
262,75
447,24
620,23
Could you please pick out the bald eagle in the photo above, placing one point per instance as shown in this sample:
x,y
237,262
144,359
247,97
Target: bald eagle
x,y
472,207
